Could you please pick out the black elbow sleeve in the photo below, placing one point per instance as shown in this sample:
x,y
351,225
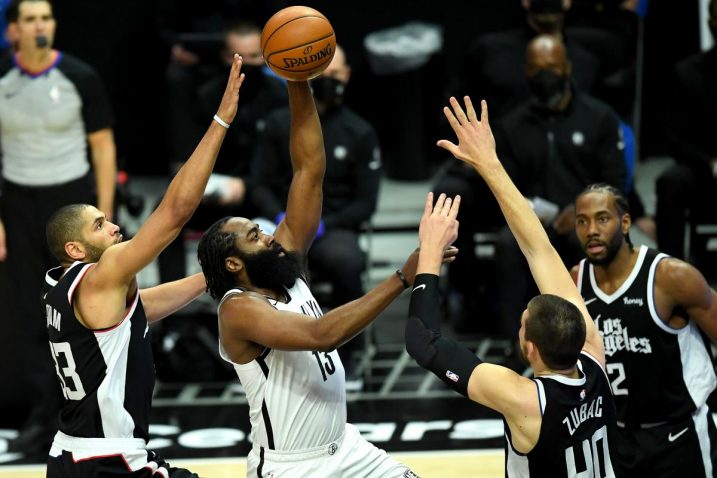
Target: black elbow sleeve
x,y
448,360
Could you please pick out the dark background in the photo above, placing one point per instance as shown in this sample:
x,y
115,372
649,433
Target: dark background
x,y
121,39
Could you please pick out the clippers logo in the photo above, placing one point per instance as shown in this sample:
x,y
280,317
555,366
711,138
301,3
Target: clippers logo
x,y
294,62
616,338
451,376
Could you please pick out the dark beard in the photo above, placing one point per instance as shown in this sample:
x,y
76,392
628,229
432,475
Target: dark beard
x,y
612,248
268,270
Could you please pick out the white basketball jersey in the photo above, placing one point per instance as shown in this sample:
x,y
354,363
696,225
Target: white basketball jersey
x,y
297,399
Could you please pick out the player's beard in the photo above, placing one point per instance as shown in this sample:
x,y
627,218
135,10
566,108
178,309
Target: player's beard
x,y
92,253
269,270
611,249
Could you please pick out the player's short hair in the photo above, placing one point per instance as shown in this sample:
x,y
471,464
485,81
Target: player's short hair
x,y
557,328
619,200
214,247
241,28
13,10
65,225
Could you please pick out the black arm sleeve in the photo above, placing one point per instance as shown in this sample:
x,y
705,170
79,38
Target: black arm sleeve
x,y
451,362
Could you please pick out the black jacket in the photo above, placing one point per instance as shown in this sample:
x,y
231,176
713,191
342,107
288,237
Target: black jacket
x,y
353,168
587,148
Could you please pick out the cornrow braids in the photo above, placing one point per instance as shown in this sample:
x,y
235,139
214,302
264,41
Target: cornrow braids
x,y
621,203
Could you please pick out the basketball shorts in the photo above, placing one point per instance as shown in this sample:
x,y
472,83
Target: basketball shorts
x,y
350,455
683,448
72,457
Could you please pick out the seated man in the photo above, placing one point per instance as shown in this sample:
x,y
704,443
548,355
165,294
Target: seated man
x,y
553,145
690,186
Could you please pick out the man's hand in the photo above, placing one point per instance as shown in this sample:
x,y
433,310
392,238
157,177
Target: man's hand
x,y
3,247
228,107
439,226
476,145
565,222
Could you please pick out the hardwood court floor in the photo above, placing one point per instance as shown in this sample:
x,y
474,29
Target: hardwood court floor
x,y
447,464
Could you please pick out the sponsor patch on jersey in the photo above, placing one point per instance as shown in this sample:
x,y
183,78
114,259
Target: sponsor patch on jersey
x,y
451,376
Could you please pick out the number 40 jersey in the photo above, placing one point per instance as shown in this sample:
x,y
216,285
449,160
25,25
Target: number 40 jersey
x,y
106,375
297,399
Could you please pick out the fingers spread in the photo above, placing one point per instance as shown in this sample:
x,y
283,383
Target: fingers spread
x,y
484,111
439,203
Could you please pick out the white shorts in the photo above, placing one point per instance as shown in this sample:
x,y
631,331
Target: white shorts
x,y
349,456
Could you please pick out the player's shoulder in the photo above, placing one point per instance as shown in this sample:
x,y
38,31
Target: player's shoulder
x,y
241,304
673,271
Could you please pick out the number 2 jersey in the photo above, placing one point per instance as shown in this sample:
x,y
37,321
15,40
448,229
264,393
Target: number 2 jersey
x,y
578,417
658,374
106,375
297,399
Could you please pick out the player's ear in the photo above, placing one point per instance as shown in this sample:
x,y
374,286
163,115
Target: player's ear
x,y
626,222
75,250
233,264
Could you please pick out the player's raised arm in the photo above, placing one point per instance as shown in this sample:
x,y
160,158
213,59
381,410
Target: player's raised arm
x,y
303,210
476,147
120,263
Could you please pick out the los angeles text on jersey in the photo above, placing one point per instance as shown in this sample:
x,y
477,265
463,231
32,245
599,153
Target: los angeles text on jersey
x,y
53,317
584,412
617,338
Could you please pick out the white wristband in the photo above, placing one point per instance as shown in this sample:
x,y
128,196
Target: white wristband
x,y
221,121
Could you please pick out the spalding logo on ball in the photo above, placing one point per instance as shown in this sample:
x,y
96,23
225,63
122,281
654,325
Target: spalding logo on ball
x,y
298,43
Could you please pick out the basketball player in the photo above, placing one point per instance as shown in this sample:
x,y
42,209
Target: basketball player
x,y
653,312
274,334
558,423
97,319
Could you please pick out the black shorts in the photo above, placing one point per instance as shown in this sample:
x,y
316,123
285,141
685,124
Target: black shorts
x,y
684,448
114,466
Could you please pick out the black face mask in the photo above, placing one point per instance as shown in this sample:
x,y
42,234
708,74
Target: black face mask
x,y
548,88
328,91
268,270
253,79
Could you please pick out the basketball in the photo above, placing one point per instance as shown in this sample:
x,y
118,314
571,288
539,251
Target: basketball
x,y
298,43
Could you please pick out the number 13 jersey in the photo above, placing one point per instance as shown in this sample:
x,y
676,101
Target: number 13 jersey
x,y
657,373
297,399
106,375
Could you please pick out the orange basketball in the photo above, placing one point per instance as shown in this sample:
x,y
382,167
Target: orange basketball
x,y
298,43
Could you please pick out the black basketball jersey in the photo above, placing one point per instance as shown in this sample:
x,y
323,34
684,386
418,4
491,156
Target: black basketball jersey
x,y
106,375
657,373
578,417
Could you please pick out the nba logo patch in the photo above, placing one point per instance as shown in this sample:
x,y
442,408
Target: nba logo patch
x,y
451,376
583,394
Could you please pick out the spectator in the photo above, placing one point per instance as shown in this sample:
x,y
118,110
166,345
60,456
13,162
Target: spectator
x,y
353,171
553,145
494,65
51,107
226,192
689,188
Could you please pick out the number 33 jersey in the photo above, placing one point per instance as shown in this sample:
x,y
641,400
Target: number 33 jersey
x,y
657,373
297,399
106,375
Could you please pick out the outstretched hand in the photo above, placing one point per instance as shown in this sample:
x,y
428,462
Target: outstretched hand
x,y
439,224
476,145
228,107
